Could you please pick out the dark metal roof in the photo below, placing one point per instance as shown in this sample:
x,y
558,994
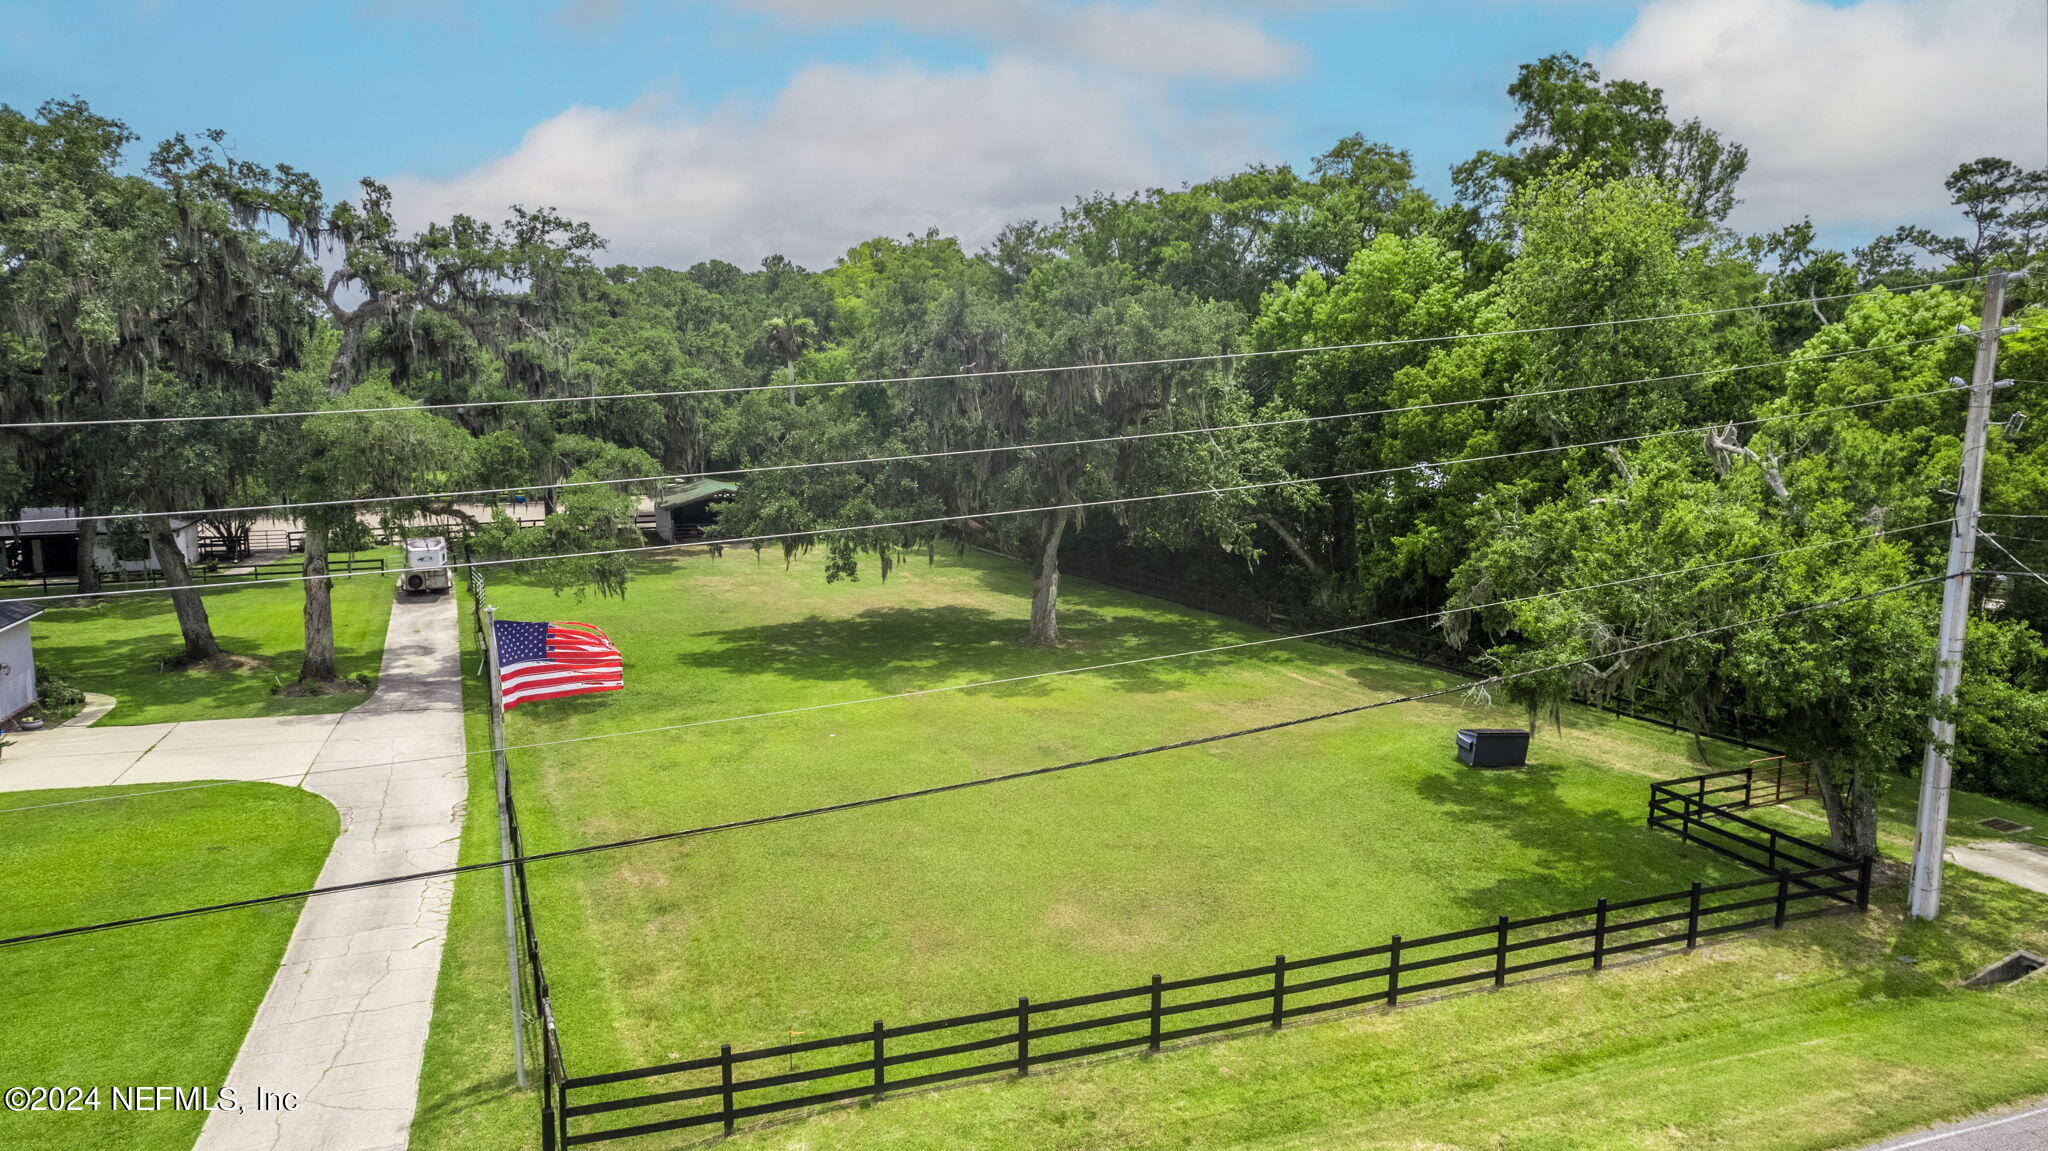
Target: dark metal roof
x,y
694,492
13,611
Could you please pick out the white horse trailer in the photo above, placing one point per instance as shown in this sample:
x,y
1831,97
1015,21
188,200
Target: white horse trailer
x,y
426,567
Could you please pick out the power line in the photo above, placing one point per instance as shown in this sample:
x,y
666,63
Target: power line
x,y
948,688
961,785
2000,545
906,457
197,513
1422,466
1212,357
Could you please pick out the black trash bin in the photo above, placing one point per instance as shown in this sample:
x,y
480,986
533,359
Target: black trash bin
x,y
1493,746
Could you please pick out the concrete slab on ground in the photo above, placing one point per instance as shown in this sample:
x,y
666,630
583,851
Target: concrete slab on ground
x,y
2018,863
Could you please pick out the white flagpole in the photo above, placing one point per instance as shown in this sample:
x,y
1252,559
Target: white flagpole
x,y
504,783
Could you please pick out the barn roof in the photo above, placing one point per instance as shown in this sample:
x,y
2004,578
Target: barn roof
x,y
14,611
696,491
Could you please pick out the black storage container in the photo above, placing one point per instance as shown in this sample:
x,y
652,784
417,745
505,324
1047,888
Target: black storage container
x,y
1493,746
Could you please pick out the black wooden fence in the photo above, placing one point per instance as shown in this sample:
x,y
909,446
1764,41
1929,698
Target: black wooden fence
x,y
1802,878
113,581
534,990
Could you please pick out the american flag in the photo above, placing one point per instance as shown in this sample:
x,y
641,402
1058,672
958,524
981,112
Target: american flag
x,y
551,660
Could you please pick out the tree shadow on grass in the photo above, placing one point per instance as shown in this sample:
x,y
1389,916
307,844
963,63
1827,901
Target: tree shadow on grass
x,y
139,670
903,648
1582,856
1578,855
1377,670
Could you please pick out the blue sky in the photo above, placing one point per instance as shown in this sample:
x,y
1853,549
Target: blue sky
x,y
742,126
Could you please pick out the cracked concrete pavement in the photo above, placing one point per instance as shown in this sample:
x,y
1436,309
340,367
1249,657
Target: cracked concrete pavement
x,y
344,1025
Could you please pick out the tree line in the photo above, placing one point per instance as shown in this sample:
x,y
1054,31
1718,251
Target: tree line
x,y
202,283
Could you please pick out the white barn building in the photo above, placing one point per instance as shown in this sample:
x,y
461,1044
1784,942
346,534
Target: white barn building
x,y
17,657
46,543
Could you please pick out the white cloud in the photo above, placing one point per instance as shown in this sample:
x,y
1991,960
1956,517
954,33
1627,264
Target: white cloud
x,y
1852,114
1164,37
842,154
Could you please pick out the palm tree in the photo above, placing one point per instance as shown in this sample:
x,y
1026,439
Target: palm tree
x,y
788,337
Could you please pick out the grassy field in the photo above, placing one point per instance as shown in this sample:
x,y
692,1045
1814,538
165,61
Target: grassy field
x,y
1310,839
119,645
1823,1037
164,1003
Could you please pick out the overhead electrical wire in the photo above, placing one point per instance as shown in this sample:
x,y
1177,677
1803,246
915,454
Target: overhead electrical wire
x,y
1086,669
942,377
2000,545
1423,466
940,789
1132,437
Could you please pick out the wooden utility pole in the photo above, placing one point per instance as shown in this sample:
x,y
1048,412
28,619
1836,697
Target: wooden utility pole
x,y
1955,607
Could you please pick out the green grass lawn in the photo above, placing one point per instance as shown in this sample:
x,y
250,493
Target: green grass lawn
x,y
1818,1038
165,1003
119,646
1306,840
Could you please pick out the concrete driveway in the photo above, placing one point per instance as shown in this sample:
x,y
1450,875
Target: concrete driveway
x,y
265,748
344,1025
2018,863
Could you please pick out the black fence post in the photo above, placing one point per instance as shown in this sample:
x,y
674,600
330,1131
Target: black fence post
x,y
1279,989
1773,842
1692,918
1784,889
1749,787
1600,934
1023,1035
1157,1012
1394,972
561,1108
1500,953
1863,885
547,1109
879,1066
725,1085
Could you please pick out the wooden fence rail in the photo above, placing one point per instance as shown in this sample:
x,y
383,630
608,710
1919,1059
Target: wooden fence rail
x,y
114,582
1801,878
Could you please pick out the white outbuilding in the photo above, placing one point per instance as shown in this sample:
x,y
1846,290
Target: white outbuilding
x,y
17,657
45,542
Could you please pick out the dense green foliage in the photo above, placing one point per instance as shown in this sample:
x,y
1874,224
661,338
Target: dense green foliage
x,y
1574,446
